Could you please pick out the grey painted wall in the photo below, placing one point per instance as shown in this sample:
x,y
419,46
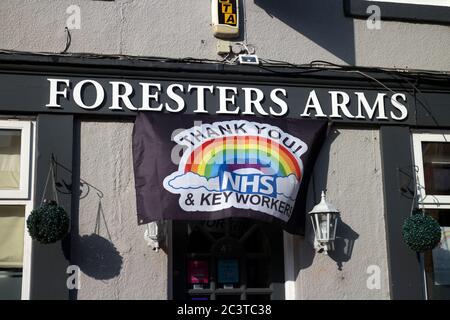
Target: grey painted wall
x,y
292,30
109,247
116,263
349,167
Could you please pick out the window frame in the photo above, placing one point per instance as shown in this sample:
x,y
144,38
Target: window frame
x,y
25,154
425,201
26,197
397,11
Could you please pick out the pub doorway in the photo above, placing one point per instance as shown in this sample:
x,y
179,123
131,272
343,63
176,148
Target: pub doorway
x,y
228,259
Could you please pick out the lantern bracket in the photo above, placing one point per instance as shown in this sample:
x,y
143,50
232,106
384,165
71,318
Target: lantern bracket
x,y
323,247
155,234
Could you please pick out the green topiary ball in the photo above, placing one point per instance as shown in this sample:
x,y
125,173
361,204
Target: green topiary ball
x,y
48,223
421,232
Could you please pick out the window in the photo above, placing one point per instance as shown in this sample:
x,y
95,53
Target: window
x,y
432,159
432,162
14,159
417,11
16,167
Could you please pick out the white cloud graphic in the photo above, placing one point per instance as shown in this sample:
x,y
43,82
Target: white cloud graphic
x,y
288,186
192,180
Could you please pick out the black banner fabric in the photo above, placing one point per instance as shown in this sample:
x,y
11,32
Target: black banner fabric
x,y
200,167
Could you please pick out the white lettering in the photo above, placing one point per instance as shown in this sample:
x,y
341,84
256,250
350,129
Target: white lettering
x,y
266,182
100,94
200,96
175,97
224,100
399,106
54,93
253,100
336,105
124,97
279,102
378,104
313,102
245,183
250,102
146,96
227,177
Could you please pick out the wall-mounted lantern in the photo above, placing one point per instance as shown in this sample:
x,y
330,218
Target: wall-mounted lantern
x,y
324,218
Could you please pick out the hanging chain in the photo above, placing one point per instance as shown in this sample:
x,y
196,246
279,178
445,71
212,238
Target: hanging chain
x,y
51,174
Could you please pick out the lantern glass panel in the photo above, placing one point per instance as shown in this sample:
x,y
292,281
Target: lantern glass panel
x,y
322,224
325,226
333,225
315,223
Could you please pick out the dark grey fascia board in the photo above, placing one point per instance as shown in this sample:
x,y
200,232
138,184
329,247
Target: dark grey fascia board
x,y
24,72
139,67
399,11
85,64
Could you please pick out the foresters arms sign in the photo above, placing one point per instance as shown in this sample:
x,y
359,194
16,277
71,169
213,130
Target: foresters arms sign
x,y
204,167
295,102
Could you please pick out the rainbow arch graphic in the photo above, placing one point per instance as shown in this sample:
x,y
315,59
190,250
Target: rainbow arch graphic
x,y
235,152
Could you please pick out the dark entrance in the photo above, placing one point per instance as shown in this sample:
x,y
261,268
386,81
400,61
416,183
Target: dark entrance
x,y
229,259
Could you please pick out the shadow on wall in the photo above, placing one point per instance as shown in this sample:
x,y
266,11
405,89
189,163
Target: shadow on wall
x,y
95,255
321,21
345,235
343,245
317,183
98,257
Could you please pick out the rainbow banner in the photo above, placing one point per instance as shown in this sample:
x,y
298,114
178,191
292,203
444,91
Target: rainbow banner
x,y
193,167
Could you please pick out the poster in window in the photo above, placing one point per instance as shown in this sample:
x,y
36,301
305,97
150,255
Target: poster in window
x,y
441,259
198,272
228,271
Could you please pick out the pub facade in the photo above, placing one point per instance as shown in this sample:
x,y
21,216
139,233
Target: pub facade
x,y
206,179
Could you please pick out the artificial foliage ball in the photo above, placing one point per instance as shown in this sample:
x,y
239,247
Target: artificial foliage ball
x,y
48,223
421,232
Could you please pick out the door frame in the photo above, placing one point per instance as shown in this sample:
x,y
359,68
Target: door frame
x,y
174,255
